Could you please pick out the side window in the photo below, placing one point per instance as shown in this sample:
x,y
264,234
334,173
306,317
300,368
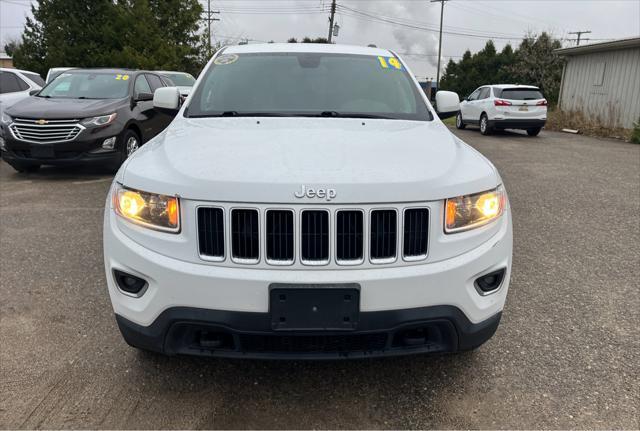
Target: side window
x,y
9,83
154,81
474,95
141,86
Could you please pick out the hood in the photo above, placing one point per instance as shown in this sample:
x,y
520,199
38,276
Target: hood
x,y
267,160
59,108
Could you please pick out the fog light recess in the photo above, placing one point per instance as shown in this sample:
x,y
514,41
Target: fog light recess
x,y
130,284
109,143
490,282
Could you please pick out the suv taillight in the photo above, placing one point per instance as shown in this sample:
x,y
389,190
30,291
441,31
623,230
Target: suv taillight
x,y
500,102
543,102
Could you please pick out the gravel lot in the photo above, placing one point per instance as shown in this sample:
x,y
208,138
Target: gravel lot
x,y
567,353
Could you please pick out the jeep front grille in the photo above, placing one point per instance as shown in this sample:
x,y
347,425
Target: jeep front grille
x,y
349,236
49,132
245,244
383,235
311,236
211,232
315,237
280,241
416,228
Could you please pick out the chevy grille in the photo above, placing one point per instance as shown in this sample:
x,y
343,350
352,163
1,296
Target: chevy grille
x,y
29,130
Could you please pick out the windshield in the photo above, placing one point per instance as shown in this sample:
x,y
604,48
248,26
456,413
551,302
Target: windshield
x,y
521,94
308,84
35,78
180,79
88,85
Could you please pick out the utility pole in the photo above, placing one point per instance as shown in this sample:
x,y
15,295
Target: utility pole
x,y
333,12
439,40
209,18
579,34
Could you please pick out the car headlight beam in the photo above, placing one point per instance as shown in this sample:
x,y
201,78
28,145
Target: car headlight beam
x,y
472,211
160,212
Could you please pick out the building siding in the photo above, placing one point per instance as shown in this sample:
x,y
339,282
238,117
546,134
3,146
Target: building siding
x,y
615,103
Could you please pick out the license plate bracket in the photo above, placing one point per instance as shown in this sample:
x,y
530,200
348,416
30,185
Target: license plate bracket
x,y
314,307
42,152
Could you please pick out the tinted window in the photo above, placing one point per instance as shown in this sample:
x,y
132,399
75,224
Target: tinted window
x,y
308,84
484,93
521,94
142,86
154,81
9,83
181,79
88,85
35,78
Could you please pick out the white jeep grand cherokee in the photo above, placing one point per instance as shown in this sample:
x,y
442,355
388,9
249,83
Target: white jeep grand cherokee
x,y
307,202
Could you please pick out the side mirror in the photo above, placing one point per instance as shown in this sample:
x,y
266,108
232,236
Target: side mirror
x,y
144,97
34,91
167,98
447,104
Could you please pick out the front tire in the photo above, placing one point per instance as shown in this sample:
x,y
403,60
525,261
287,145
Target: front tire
x,y
534,131
24,167
459,123
485,129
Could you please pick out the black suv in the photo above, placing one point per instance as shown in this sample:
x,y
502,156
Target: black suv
x,y
83,116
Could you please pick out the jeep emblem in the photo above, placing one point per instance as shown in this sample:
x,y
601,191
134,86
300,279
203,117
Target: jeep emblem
x,y
327,194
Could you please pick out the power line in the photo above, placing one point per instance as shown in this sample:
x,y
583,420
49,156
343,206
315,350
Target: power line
x,y
331,17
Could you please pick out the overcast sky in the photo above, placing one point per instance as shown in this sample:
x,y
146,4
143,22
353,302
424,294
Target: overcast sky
x,y
407,26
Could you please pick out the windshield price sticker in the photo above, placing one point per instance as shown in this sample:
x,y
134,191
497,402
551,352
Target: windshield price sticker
x,y
225,59
390,63
122,77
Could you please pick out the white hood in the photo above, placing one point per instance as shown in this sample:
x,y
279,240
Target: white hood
x,y
267,160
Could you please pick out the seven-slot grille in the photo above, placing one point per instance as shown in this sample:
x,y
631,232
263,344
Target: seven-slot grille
x,y
352,235
41,132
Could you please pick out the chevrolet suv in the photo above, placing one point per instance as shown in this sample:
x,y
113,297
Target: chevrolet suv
x,y
98,116
504,106
307,202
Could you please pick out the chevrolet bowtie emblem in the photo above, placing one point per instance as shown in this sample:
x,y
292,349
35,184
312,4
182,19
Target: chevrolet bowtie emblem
x,y
41,122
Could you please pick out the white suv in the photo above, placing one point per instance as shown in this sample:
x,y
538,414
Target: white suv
x,y
16,84
307,202
504,106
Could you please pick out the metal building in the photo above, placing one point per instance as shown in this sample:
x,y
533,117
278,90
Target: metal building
x,y
602,81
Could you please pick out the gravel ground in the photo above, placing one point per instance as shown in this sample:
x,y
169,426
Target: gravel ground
x,y
567,353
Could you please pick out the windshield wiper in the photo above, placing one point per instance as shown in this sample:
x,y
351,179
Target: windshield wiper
x,y
349,115
240,114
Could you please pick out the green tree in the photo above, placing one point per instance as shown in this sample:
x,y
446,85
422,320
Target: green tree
x,y
307,39
537,64
533,63
146,34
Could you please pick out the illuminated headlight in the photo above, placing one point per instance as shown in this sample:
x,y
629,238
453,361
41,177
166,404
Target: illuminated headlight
x,y
471,211
151,210
102,120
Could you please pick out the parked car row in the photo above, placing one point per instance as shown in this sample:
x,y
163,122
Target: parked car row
x,y
82,116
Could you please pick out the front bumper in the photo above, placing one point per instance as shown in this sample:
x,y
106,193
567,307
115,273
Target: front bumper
x,y
184,300
196,331
85,149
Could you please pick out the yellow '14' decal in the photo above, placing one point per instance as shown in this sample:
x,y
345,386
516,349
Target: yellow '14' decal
x,y
386,62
